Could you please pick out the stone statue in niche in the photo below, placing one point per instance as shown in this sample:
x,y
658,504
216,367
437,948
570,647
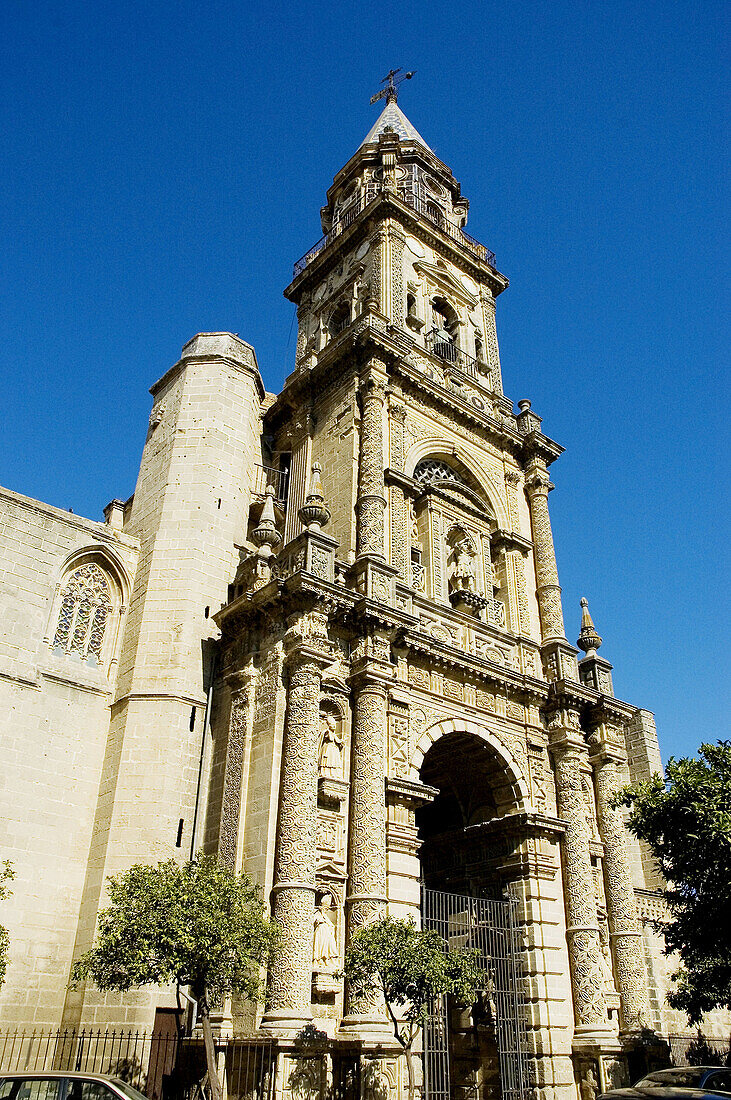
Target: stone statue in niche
x,y
325,954
463,566
330,756
461,563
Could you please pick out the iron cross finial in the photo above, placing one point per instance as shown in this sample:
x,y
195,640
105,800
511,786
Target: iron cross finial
x,y
391,89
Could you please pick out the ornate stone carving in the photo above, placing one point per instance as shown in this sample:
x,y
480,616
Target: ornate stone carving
x,y
371,500
330,752
366,899
289,992
232,785
399,746
548,589
624,929
582,931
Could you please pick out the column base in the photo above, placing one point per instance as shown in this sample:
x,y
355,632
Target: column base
x,y
284,1024
373,1030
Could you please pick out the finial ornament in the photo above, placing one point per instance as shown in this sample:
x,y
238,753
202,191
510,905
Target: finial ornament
x,y
589,640
265,534
313,513
391,89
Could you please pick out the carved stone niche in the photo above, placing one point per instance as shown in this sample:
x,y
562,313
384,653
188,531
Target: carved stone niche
x,y
332,787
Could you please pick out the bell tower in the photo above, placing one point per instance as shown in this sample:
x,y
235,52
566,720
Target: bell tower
x,y
400,712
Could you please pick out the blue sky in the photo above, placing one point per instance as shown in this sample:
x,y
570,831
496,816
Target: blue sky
x,y
164,165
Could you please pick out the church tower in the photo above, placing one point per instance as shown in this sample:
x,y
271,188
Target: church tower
x,y
400,723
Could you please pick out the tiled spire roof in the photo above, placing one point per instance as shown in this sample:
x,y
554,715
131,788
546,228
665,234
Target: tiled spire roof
x,y
393,118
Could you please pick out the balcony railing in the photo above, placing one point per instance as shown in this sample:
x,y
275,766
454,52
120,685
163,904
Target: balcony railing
x,y
267,475
449,353
459,236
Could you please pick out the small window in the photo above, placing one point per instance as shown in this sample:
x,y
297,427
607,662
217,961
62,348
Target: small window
x,y
435,213
411,305
479,348
86,605
340,319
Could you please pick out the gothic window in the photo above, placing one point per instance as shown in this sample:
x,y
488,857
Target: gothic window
x,y
86,605
339,319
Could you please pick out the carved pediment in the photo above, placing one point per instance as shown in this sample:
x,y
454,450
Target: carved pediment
x,y
440,277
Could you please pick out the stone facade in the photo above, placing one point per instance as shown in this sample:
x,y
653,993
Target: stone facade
x,y
350,684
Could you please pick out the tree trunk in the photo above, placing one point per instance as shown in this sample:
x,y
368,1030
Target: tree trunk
x,y
205,1017
410,1070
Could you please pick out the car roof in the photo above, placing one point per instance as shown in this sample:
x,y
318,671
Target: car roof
x,y
77,1074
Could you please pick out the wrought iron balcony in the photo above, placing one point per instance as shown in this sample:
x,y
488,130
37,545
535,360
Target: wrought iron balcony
x,y
438,345
267,475
459,236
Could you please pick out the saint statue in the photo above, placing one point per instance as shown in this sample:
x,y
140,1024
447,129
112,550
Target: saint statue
x,y
324,947
331,746
463,573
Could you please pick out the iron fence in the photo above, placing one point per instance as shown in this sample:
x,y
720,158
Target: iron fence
x,y
699,1050
163,1067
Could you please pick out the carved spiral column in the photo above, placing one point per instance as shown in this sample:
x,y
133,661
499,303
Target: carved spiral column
x,y
548,590
366,900
290,975
582,931
624,929
371,502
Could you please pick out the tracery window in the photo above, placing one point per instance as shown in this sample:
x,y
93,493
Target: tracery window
x,y
86,605
435,469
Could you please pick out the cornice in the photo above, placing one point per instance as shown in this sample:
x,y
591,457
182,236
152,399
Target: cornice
x,y
446,656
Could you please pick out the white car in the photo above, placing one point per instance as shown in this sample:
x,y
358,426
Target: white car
x,y
62,1085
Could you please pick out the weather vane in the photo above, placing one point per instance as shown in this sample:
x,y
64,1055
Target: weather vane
x,y
391,89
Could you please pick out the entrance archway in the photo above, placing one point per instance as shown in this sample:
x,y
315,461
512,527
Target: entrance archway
x,y
464,845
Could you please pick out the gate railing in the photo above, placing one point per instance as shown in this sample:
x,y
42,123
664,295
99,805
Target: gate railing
x,y
490,927
163,1066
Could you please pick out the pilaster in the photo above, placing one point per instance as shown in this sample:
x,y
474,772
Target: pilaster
x,y
371,503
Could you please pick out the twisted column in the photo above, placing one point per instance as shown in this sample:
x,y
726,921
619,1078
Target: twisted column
x,y
371,502
582,931
548,590
293,894
624,928
366,900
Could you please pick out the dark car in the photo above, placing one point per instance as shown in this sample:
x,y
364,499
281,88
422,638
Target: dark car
x,y
680,1083
57,1085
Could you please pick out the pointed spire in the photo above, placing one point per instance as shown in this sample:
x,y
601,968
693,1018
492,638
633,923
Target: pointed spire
x,y
313,513
393,119
265,534
589,640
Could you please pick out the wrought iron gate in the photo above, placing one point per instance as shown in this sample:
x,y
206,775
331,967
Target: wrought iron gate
x,y
489,926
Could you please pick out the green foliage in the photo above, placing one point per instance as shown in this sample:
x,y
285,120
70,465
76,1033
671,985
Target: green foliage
x,y
197,925
685,819
411,968
7,874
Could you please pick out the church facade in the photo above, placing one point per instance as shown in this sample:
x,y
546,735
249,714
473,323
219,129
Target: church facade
x,y
325,640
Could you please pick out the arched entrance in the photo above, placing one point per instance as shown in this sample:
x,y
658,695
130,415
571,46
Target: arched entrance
x,y
464,844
